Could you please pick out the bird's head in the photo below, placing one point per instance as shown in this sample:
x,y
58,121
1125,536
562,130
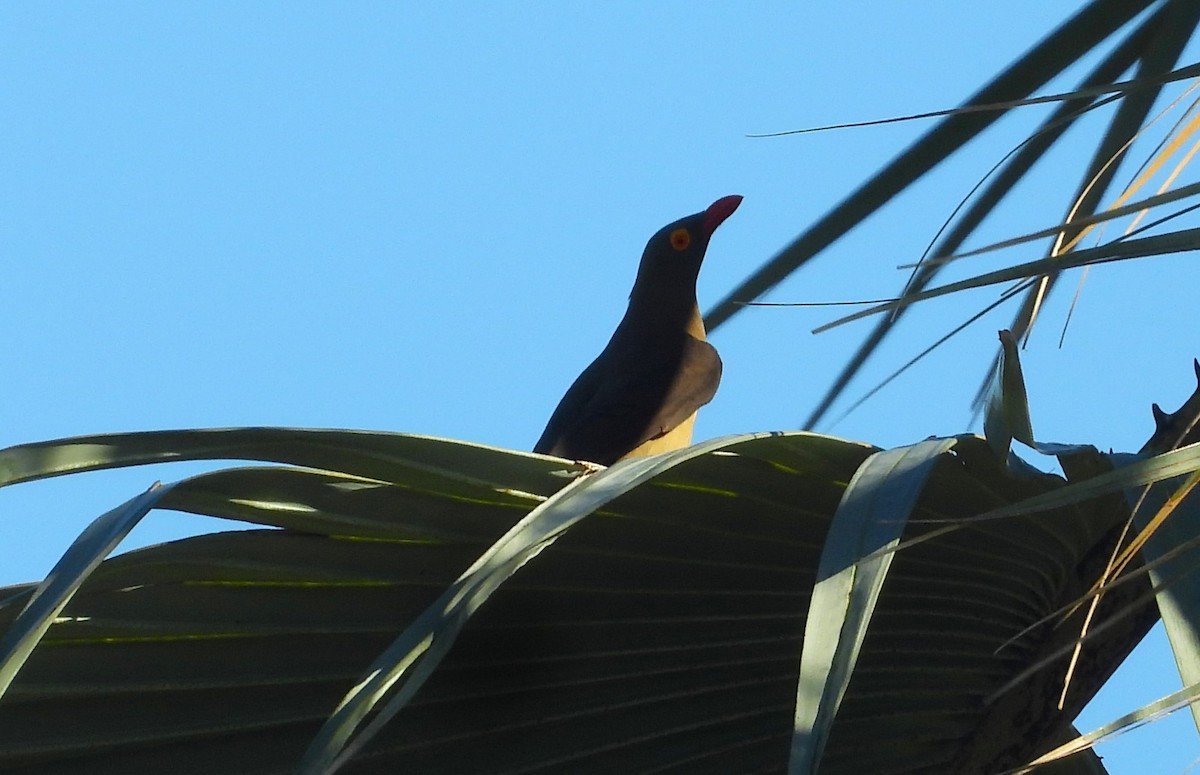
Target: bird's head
x,y
671,261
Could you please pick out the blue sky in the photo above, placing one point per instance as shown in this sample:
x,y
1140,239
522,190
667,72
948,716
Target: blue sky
x,y
426,218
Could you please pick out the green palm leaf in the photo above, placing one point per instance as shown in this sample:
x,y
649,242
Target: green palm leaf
x,y
663,627
1153,46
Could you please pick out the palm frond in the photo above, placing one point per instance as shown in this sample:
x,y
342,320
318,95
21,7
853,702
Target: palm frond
x,y
1153,46
664,629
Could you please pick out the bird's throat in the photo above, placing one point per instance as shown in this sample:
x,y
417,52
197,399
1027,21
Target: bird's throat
x,y
666,314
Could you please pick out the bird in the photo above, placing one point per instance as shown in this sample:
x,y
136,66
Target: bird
x,y
640,395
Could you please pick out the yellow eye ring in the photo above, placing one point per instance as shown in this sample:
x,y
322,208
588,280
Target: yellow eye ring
x,y
680,239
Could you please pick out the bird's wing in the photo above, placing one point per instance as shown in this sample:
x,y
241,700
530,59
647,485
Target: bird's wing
x,y
616,405
570,407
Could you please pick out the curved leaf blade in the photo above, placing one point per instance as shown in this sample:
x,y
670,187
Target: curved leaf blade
x,y
378,455
81,558
1143,715
871,517
421,647
1007,414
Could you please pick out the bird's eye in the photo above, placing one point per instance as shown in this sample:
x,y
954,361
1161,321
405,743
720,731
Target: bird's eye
x,y
680,239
